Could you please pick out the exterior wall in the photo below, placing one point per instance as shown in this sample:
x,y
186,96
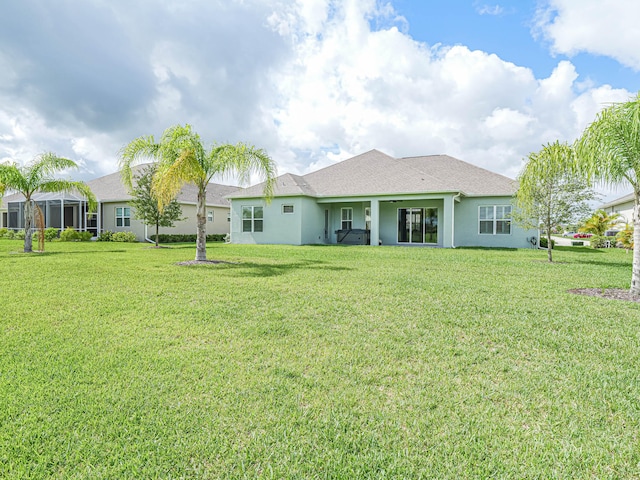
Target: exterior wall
x,y
625,209
278,227
220,224
467,226
312,222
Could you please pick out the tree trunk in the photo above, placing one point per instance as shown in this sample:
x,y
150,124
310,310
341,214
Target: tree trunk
x,y
549,245
28,240
635,269
157,233
201,219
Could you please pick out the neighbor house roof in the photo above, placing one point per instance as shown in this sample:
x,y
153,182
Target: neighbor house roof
x,y
110,188
375,173
619,201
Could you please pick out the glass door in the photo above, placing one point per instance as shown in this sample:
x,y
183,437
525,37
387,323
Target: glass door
x,y
418,225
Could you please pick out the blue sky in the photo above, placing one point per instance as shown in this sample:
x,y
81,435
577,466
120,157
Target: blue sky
x,y
507,29
312,81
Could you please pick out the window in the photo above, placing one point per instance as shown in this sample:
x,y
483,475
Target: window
x,y
494,220
209,215
252,219
367,218
287,208
123,217
347,219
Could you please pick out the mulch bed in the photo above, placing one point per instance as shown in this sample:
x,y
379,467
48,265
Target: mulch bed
x,y
611,293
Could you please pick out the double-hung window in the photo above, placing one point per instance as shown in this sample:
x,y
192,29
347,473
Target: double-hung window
x,y
252,219
347,219
209,215
123,217
494,220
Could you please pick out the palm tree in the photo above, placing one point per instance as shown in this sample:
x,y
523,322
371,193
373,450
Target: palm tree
x,y
599,222
609,152
38,177
182,158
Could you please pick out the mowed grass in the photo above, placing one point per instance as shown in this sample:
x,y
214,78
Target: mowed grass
x,y
316,362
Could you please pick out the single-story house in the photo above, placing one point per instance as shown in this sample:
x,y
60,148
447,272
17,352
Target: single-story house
x,y
376,199
623,205
114,212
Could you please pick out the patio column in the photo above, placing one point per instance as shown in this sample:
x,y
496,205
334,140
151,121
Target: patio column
x,y
375,222
447,222
61,214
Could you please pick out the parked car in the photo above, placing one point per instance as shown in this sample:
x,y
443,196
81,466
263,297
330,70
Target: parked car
x,y
583,235
568,234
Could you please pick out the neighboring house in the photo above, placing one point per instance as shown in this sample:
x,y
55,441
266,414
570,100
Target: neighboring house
x,y
114,213
375,199
623,206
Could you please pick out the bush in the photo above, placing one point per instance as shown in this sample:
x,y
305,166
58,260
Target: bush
x,y
129,237
10,235
19,235
3,232
105,236
50,234
598,241
69,235
543,243
187,238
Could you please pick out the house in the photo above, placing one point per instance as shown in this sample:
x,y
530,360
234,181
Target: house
x,y
375,199
62,210
623,205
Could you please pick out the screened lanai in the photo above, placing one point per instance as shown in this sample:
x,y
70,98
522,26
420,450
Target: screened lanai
x,y
60,210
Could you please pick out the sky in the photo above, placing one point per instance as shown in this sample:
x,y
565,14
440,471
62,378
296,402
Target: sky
x,y
312,82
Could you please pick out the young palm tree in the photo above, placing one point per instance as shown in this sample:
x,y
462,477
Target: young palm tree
x,y
182,158
38,177
599,222
609,152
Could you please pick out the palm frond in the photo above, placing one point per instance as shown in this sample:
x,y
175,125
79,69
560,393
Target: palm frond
x,y
142,148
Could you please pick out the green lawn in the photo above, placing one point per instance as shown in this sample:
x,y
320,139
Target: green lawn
x,y
316,362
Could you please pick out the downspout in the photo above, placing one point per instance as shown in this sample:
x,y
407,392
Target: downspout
x,y
453,218
146,235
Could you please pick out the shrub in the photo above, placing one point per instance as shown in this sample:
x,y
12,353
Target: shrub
x,y
598,241
10,235
105,236
3,232
543,243
85,236
69,235
129,237
50,234
19,235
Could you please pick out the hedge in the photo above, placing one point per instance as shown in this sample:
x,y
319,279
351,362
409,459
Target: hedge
x,y
187,238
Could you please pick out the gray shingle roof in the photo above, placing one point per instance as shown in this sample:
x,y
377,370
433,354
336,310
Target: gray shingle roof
x,y
375,173
111,189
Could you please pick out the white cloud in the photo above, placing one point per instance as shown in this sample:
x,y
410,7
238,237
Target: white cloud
x,y
311,81
489,9
601,27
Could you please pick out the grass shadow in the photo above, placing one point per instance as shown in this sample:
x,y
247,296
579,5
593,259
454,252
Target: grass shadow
x,y
253,269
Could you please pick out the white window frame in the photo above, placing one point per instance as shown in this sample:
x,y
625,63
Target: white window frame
x,y
124,216
253,219
493,210
287,206
210,216
348,220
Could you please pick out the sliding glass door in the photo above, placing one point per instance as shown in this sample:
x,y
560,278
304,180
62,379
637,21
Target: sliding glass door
x,y
418,225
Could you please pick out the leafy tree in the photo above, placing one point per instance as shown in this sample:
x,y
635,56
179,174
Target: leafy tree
x,y
182,158
38,176
549,194
609,152
599,222
145,204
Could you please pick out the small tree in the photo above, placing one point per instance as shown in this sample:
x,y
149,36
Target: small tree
x,y
145,204
625,237
548,193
